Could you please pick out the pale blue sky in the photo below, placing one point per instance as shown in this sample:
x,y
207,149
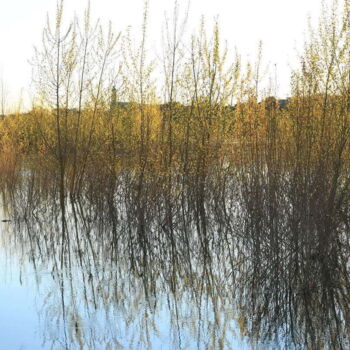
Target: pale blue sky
x,y
280,24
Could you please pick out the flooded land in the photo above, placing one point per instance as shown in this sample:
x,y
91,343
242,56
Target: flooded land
x,y
175,201
250,261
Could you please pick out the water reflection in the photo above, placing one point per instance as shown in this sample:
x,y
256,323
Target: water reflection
x,y
242,260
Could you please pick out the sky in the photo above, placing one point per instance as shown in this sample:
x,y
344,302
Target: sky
x,y
280,25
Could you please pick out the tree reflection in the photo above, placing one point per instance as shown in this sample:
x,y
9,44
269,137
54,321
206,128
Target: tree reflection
x,y
261,256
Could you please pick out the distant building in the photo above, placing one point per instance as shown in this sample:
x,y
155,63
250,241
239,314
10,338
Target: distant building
x,y
113,99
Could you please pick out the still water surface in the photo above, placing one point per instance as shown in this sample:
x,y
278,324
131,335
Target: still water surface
x,y
37,315
216,270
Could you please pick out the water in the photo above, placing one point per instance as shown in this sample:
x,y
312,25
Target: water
x,y
230,268
96,306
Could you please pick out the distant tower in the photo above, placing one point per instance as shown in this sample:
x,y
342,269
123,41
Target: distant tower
x,y
113,99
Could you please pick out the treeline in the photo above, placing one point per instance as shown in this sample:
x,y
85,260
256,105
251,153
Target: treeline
x,y
186,113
